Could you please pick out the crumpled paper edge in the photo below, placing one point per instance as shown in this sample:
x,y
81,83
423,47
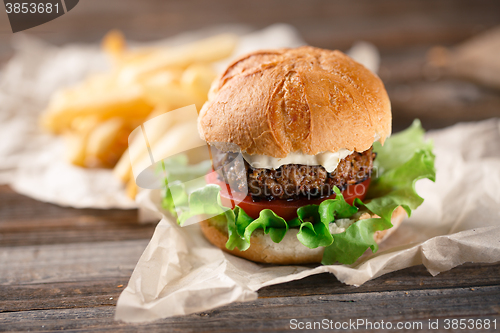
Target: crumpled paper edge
x,y
447,231
222,283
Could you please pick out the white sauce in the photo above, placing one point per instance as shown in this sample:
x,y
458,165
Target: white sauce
x,y
328,160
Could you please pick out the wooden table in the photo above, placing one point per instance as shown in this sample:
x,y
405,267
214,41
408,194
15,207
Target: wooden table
x,y
63,268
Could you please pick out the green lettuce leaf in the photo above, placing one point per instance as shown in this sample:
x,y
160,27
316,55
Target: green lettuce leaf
x,y
204,201
175,196
331,209
394,187
235,239
348,246
401,162
271,223
399,148
312,220
313,232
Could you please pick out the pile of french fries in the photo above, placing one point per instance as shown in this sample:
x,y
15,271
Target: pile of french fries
x,y
96,116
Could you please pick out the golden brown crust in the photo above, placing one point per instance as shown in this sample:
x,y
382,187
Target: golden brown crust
x,y
304,99
289,251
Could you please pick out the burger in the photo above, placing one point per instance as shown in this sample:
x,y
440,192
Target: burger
x,y
296,136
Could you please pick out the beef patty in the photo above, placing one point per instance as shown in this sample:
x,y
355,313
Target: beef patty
x,y
292,181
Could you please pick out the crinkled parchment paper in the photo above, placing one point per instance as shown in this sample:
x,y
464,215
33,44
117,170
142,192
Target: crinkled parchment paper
x,y
180,272
32,162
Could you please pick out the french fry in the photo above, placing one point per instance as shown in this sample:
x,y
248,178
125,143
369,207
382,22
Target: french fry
x,y
131,188
170,91
97,116
123,169
84,125
198,79
204,51
178,139
156,129
106,143
167,76
95,99
171,96
75,148
76,139
114,45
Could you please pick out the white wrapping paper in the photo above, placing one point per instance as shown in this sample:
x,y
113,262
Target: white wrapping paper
x,y
32,162
180,272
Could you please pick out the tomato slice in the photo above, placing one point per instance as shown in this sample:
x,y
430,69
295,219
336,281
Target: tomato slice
x,y
287,209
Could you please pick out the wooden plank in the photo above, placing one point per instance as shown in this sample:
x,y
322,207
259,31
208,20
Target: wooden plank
x,y
69,262
412,278
276,313
25,221
62,295
442,103
391,24
100,290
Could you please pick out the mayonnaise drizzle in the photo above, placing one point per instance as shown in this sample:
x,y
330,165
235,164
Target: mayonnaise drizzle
x,y
328,160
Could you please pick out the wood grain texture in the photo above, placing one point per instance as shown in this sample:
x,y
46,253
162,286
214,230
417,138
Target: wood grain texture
x,y
25,221
274,314
96,289
68,262
390,24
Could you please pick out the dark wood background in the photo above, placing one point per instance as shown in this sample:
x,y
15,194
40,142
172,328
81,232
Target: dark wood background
x,y
63,268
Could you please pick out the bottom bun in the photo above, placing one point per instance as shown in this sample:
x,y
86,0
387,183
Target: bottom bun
x,y
289,251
